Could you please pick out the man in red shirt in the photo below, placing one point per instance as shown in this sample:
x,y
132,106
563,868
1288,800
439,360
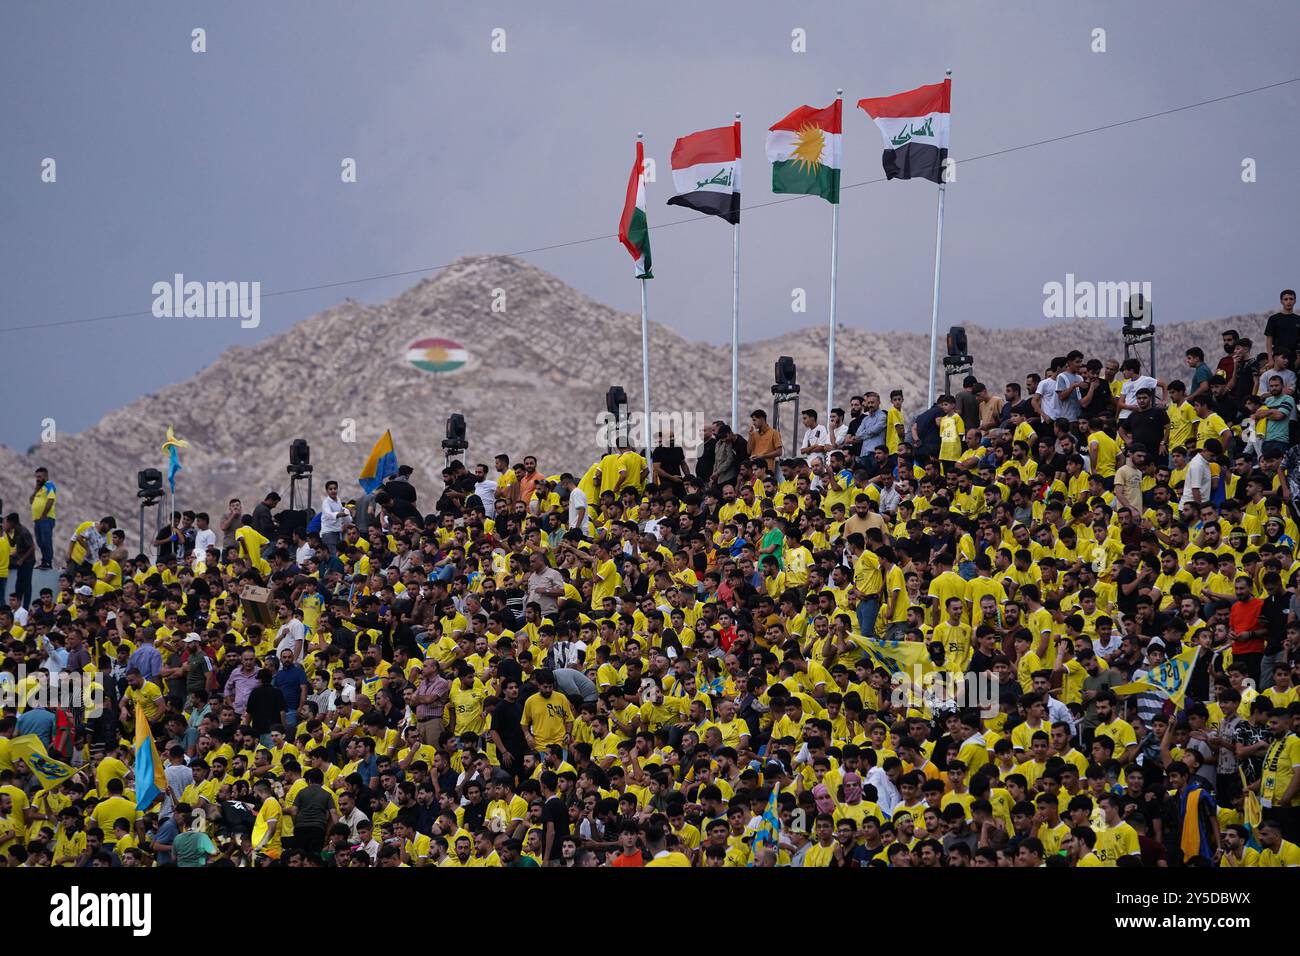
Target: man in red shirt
x,y
629,852
1248,632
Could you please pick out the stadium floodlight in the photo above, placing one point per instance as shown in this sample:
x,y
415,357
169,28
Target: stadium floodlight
x,y
299,458
957,346
1139,328
299,468
149,482
1137,315
456,440
786,376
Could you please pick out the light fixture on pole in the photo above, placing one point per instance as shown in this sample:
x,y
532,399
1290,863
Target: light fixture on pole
x,y
785,389
299,468
456,441
958,361
149,483
1139,327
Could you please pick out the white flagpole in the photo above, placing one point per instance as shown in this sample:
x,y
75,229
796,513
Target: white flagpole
x,y
938,265
835,255
735,319
645,363
645,371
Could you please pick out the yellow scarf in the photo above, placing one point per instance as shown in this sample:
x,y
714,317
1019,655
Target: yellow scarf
x,y
1191,837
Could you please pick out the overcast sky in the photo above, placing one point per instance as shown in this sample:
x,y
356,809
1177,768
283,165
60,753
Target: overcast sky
x,y
226,165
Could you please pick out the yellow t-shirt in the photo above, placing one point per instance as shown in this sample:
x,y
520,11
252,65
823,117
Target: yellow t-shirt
x,y
1280,762
46,494
951,428
269,812
1288,854
545,718
1115,842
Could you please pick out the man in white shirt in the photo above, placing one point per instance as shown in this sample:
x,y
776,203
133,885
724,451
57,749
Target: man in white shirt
x,y
486,489
579,512
204,536
1047,404
292,636
816,440
1196,486
839,428
333,515
1134,382
1070,386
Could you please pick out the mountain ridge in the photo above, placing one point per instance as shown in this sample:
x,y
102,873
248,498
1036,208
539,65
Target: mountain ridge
x,y
535,385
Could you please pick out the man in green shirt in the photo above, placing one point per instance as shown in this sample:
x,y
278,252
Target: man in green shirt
x,y
1276,414
191,847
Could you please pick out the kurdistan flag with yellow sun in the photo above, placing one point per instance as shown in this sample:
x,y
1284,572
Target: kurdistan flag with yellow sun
x,y
436,355
804,150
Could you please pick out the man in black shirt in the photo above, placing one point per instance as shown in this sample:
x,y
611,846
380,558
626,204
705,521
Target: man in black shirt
x,y
555,817
1147,425
669,463
704,462
1282,332
399,509
400,485
265,704
507,731
262,520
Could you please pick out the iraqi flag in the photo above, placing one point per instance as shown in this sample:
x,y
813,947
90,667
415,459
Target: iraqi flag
x,y
915,127
706,172
804,150
633,230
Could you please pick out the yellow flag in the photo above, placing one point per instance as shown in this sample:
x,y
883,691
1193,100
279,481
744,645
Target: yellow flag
x,y
31,751
905,657
1170,678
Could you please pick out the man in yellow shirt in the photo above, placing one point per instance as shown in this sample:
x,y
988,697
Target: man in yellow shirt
x,y
43,501
548,716
1275,851
266,828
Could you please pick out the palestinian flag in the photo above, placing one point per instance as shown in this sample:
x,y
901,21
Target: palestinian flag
x,y
706,172
915,127
436,355
804,150
633,230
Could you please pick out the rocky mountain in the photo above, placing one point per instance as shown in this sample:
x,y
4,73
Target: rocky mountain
x,y
535,383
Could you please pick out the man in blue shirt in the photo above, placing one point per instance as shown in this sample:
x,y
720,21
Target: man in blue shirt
x,y
146,658
871,430
39,721
291,680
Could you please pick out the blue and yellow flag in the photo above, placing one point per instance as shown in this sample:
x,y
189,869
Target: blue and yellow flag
x,y
769,825
381,463
150,777
50,772
897,657
1170,678
171,448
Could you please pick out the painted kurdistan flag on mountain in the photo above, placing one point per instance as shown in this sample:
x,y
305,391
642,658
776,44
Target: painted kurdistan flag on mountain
x,y
804,150
633,230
